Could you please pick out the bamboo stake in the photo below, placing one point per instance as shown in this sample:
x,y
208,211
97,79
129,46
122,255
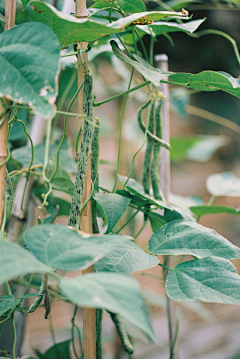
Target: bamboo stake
x,y
89,314
10,11
165,176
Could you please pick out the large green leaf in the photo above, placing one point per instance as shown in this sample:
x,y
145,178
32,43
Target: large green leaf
x,y
113,205
207,279
129,6
126,258
68,29
114,292
223,184
16,261
203,210
187,237
29,65
23,155
143,67
161,27
67,249
208,81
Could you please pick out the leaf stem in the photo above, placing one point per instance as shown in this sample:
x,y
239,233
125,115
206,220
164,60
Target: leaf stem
x,y
126,223
95,104
15,336
141,229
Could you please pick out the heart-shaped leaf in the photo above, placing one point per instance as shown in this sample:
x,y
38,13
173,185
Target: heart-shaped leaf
x,y
208,279
182,237
113,206
65,248
29,65
114,292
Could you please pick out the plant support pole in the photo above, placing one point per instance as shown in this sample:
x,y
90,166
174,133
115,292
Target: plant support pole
x,y
89,314
10,11
162,63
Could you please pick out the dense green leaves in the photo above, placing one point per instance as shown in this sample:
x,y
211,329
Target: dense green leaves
x,y
207,279
16,261
113,206
68,29
67,249
126,258
223,184
29,65
187,237
114,292
208,81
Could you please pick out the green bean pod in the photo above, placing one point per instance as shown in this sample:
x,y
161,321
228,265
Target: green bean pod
x,y
85,148
94,172
39,297
47,302
150,135
127,345
155,170
9,195
148,152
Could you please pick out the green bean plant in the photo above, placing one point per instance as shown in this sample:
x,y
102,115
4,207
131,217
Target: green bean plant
x,y
31,59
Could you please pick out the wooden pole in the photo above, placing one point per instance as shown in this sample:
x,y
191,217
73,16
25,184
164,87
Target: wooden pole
x,y
89,314
165,177
10,12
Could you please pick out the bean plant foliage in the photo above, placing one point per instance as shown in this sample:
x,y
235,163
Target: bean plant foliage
x,y
31,59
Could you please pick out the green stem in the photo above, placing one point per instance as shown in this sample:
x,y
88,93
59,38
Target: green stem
x,y
72,331
141,229
51,329
15,337
163,265
31,161
220,33
6,159
125,224
211,200
120,133
65,131
151,49
95,104
4,119
125,47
